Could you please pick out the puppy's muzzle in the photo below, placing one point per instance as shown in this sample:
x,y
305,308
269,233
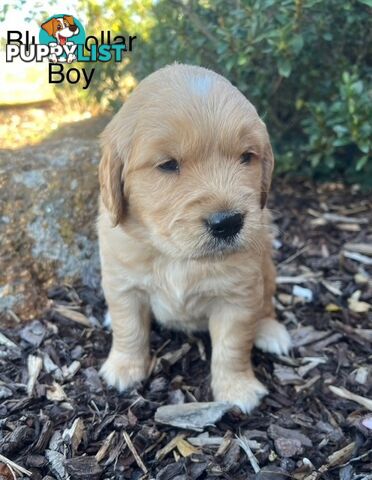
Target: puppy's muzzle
x,y
225,225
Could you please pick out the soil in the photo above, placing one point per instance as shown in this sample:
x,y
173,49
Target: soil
x,y
58,419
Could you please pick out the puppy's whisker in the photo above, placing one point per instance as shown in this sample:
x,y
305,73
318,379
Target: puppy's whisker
x,y
257,246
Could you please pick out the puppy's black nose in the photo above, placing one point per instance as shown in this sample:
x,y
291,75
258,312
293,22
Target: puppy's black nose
x,y
225,225
72,28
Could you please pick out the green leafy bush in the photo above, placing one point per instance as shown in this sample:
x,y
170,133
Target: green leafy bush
x,y
303,63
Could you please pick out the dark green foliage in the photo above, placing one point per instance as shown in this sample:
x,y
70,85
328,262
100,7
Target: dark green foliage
x,y
303,63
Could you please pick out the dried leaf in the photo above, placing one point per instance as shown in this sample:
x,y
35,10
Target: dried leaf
x,y
357,306
333,308
55,393
361,278
6,473
185,448
162,453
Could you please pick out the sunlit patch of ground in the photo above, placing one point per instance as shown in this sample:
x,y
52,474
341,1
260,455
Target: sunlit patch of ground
x,y
28,125
29,111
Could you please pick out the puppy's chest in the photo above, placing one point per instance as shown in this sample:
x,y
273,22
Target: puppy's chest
x,y
181,294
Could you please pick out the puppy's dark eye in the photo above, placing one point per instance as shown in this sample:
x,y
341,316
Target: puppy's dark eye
x,y
247,157
170,166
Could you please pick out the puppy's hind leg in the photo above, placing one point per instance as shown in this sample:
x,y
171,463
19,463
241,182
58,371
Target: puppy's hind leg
x,y
271,336
127,363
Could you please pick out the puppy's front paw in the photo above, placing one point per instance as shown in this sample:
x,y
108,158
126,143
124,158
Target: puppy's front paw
x,y
123,371
244,391
272,337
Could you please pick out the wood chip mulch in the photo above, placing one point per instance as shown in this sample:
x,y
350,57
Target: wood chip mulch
x,y
59,421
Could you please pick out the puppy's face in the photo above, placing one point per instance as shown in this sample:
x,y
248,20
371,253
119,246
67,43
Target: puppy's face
x,y
188,159
61,28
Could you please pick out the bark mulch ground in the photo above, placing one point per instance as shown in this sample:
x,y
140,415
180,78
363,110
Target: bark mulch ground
x,y
58,420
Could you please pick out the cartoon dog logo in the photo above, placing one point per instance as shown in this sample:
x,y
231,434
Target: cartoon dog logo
x,y
62,29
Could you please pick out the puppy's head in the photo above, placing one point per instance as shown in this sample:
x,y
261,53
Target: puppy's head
x,y
61,28
188,160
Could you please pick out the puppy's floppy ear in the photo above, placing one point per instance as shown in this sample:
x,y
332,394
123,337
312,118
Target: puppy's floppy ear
x,y
112,184
267,171
69,19
50,26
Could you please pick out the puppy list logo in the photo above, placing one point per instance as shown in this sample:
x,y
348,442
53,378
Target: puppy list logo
x,y
62,33
62,41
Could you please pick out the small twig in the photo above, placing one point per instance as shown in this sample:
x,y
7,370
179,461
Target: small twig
x,y
156,353
73,315
363,248
134,452
100,455
242,442
154,445
14,316
294,256
333,217
306,277
355,459
343,393
5,341
15,466
195,20
357,257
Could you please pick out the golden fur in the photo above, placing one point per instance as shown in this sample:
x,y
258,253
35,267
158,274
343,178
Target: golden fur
x,y
157,255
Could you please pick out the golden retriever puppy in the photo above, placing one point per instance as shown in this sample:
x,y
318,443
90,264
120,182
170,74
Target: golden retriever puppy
x,y
183,229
